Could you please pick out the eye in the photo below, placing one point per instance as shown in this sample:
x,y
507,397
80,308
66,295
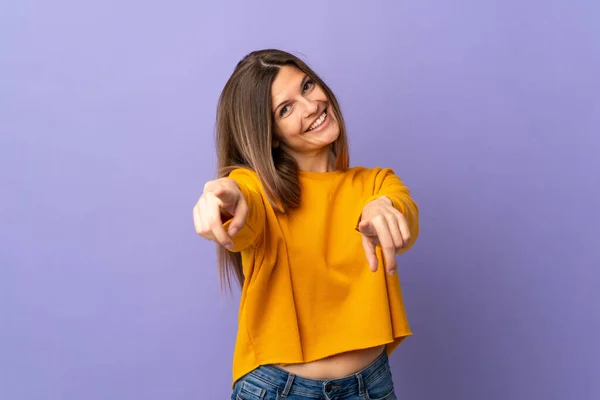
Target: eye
x,y
308,85
284,110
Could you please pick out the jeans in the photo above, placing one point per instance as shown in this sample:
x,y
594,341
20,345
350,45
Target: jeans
x,y
269,382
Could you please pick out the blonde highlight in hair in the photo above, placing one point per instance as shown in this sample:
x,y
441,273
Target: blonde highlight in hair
x,y
244,137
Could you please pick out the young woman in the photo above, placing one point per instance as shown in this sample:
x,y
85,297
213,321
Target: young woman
x,y
311,241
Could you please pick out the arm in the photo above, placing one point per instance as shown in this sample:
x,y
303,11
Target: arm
x,y
246,233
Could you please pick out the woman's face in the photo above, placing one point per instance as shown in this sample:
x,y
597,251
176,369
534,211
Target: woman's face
x,y
304,125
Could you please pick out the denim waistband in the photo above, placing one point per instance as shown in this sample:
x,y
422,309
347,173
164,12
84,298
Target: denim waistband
x,y
287,382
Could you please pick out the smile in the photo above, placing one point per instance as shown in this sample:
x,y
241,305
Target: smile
x,y
320,123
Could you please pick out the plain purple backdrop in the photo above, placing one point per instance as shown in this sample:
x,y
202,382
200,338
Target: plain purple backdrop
x,y
488,110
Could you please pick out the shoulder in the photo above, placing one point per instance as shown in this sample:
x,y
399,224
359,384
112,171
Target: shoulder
x,y
369,173
245,176
242,172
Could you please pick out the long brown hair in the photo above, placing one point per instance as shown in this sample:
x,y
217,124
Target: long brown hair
x,y
244,137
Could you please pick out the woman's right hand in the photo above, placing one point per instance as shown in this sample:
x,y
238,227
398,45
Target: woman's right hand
x,y
221,198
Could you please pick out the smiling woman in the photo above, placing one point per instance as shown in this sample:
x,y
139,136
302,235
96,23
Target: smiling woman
x,y
304,235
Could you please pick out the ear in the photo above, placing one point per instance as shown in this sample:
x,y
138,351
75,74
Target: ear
x,y
275,143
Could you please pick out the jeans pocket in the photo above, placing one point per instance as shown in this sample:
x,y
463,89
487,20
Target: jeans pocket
x,y
250,391
381,388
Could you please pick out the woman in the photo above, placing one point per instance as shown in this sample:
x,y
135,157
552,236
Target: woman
x,y
311,242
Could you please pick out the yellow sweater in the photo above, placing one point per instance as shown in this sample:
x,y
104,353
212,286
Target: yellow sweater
x,y
308,290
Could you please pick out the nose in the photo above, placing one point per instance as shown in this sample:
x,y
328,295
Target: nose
x,y
310,107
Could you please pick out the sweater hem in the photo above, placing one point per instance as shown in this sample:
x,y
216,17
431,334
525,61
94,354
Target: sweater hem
x,y
390,346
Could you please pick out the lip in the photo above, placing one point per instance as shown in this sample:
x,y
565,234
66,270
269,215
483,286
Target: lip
x,y
323,124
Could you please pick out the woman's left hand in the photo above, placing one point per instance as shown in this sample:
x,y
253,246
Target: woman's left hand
x,y
382,224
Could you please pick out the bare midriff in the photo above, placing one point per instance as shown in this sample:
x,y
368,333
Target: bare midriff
x,y
336,366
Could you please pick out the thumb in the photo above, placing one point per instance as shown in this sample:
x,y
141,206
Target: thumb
x,y
229,198
239,218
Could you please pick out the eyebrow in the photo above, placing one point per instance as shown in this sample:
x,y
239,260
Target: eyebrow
x,y
301,86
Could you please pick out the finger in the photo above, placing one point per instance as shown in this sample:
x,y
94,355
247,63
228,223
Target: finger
x,y
228,196
387,244
218,191
369,231
370,253
211,186
404,229
239,217
201,208
392,222
196,215
215,223
221,189
365,227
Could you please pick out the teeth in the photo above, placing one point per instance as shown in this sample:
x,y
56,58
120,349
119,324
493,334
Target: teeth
x,y
318,122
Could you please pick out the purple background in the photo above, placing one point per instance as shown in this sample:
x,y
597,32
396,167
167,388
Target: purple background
x,y
489,110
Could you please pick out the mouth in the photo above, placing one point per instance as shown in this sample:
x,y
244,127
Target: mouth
x,y
320,122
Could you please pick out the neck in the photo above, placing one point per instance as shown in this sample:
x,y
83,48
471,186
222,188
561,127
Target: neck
x,y
322,162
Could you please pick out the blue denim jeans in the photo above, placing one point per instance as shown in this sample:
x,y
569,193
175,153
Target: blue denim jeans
x,y
268,382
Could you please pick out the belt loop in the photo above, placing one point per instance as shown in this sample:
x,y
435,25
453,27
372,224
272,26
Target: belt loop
x,y
361,384
288,385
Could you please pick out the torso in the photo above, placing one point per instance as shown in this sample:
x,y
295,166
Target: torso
x,y
336,366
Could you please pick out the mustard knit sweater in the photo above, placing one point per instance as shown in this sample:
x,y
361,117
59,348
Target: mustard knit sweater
x,y
308,290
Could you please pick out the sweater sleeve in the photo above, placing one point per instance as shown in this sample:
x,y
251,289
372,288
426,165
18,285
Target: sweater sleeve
x,y
388,184
254,226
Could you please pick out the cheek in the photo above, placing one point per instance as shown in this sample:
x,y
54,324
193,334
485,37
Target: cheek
x,y
320,93
289,127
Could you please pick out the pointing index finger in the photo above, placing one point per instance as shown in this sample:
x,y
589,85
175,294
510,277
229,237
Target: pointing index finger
x,y
387,245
